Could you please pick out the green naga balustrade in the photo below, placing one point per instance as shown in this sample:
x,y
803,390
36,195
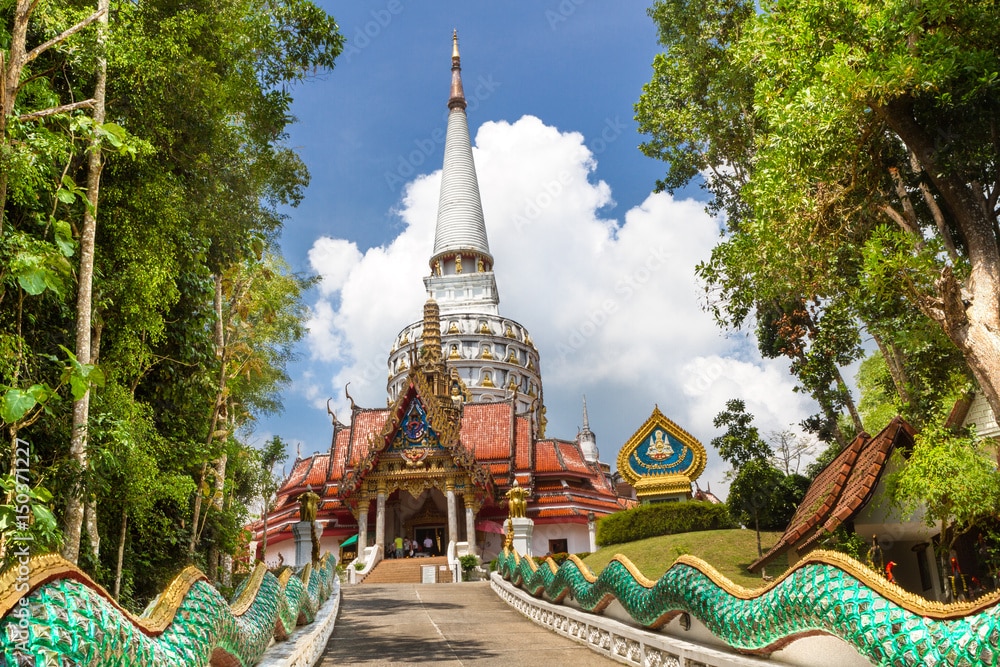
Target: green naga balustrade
x,y
52,613
826,593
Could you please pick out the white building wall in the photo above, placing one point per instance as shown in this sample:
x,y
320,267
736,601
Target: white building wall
x,y
283,553
576,535
982,416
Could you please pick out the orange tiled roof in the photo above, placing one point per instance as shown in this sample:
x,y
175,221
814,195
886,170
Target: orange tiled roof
x,y
840,490
364,425
299,471
498,468
522,444
572,458
864,476
340,446
310,471
481,424
546,459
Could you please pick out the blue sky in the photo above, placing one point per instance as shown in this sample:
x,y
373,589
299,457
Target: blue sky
x,y
597,269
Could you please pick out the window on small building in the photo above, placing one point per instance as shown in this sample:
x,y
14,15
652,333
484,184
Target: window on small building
x,y
558,546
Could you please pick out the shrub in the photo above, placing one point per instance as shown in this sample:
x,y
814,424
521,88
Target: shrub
x,y
662,519
468,562
558,558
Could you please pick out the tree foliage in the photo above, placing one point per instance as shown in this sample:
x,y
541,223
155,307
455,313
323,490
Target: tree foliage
x,y
741,443
852,151
194,171
951,476
760,494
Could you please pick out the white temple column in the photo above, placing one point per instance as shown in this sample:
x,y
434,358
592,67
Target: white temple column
x,y
380,518
363,528
592,531
452,511
470,524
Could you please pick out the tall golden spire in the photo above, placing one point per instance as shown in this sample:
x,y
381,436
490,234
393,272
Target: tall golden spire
x,y
457,98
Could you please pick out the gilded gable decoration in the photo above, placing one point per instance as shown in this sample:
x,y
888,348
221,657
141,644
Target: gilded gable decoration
x,y
421,434
661,460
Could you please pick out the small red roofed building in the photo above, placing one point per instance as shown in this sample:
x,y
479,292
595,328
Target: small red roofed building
x,y
465,419
850,493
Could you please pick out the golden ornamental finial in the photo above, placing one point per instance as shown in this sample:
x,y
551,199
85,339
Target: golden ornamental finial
x,y
454,44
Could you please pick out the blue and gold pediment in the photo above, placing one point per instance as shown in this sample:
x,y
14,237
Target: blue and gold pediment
x,y
414,430
661,458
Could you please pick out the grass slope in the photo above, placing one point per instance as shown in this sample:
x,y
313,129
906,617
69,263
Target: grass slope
x,y
728,551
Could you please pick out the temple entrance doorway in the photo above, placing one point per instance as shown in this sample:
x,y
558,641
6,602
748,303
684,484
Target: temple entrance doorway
x,y
436,535
425,516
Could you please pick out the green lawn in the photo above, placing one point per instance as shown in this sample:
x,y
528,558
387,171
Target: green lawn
x,y
728,551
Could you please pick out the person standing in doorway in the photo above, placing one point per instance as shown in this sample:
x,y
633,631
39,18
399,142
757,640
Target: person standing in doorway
x,y
429,544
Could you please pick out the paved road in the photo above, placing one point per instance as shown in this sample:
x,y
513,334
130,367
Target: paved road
x,y
444,624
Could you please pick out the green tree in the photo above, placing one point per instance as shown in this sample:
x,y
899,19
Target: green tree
x,y
275,451
751,495
259,316
862,167
760,494
741,443
753,478
204,90
952,477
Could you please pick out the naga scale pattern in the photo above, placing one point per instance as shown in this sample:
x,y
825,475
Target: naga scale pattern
x,y
52,613
826,593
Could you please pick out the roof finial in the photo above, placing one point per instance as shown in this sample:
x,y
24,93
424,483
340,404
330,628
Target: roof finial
x,y
587,439
457,97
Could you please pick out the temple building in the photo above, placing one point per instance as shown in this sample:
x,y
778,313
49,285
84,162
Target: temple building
x,y
465,420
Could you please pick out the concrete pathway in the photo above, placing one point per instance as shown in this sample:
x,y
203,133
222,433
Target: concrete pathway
x,y
444,624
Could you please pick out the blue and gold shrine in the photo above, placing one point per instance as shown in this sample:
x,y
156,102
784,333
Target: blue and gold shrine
x,y
661,460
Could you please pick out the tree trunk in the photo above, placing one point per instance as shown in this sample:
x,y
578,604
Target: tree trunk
x,y
968,311
121,555
217,411
11,80
84,303
90,522
894,362
852,409
198,492
13,65
212,564
756,527
263,541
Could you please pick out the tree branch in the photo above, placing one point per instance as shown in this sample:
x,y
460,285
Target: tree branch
x,y
904,197
45,46
51,111
942,224
898,218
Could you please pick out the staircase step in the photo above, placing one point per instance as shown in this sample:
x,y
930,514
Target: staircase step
x,y
407,571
